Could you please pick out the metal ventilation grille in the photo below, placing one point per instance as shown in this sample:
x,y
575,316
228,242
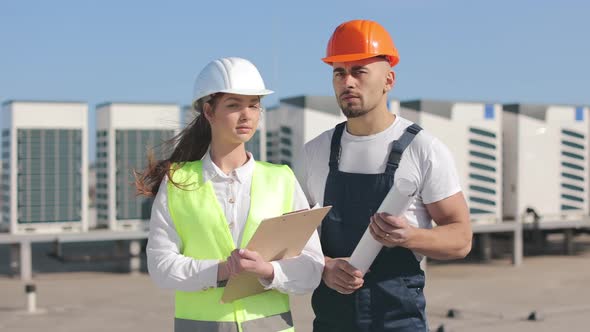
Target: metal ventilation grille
x,y
279,146
131,148
6,176
573,170
483,169
49,175
102,175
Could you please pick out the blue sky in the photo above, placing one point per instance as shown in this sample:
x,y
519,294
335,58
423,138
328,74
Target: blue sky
x,y
151,51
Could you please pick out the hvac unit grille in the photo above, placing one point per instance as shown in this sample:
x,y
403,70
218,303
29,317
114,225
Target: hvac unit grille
x,y
6,176
49,179
131,148
483,169
102,176
279,146
573,170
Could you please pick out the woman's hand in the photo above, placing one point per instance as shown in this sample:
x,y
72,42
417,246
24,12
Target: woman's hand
x,y
244,260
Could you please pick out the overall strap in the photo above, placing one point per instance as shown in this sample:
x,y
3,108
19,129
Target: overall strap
x,y
335,148
399,146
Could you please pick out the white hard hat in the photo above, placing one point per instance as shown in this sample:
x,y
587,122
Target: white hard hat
x,y
229,75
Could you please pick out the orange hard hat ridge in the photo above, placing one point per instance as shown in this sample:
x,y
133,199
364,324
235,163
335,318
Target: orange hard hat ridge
x,y
360,39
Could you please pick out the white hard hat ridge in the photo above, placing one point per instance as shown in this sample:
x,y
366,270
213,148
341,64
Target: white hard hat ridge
x,y
229,75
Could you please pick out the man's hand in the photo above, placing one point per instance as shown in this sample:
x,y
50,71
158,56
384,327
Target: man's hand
x,y
244,260
390,231
341,276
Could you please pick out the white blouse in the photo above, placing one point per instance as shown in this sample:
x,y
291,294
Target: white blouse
x,y
172,270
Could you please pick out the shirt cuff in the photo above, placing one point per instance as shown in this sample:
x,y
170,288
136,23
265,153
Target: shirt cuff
x,y
208,274
278,280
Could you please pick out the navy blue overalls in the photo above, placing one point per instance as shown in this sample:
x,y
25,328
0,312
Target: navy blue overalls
x,y
391,298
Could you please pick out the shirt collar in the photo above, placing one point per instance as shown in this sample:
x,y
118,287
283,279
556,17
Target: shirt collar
x,y
211,171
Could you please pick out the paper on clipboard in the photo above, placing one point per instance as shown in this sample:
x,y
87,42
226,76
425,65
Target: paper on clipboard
x,y
276,238
395,203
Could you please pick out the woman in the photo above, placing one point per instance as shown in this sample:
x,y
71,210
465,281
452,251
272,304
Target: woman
x,y
210,201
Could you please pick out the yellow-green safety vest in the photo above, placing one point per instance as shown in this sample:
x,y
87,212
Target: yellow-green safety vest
x,y
204,232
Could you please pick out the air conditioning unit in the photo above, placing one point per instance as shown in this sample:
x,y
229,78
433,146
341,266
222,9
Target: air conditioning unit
x,y
546,161
125,132
472,132
44,167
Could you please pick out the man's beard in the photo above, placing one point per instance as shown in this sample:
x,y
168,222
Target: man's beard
x,y
351,112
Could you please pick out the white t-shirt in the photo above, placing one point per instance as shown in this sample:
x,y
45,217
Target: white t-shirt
x,y
426,161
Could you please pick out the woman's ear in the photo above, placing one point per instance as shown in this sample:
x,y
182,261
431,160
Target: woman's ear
x,y
207,111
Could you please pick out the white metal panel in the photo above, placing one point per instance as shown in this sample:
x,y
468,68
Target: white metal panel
x,y
127,116
510,144
317,121
394,106
49,115
473,136
46,115
144,116
480,126
552,162
538,177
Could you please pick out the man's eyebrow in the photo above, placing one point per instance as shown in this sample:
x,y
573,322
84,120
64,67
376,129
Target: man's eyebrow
x,y
355,68
358,67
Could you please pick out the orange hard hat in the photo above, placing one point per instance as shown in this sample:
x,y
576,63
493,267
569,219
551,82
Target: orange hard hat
x,y
360,39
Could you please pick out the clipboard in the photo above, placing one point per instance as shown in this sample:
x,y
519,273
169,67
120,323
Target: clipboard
x,y
275,238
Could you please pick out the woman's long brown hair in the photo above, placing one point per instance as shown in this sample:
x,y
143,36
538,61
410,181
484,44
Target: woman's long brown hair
x,y
189,145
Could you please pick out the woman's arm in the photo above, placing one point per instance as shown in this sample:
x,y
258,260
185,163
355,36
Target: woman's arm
x,y
167,267
301,274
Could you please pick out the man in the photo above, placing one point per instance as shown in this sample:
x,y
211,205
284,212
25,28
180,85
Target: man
x,y
352,167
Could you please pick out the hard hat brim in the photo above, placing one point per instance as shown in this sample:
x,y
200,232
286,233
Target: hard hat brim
x,y
244,92
248,92
354,57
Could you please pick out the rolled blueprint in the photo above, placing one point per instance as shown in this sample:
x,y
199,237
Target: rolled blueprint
x,y
395,203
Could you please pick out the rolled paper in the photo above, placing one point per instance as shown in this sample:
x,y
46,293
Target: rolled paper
x,y
396,202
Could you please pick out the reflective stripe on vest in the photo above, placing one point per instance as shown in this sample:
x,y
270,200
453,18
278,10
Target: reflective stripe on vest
x,y
204,233
278,322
